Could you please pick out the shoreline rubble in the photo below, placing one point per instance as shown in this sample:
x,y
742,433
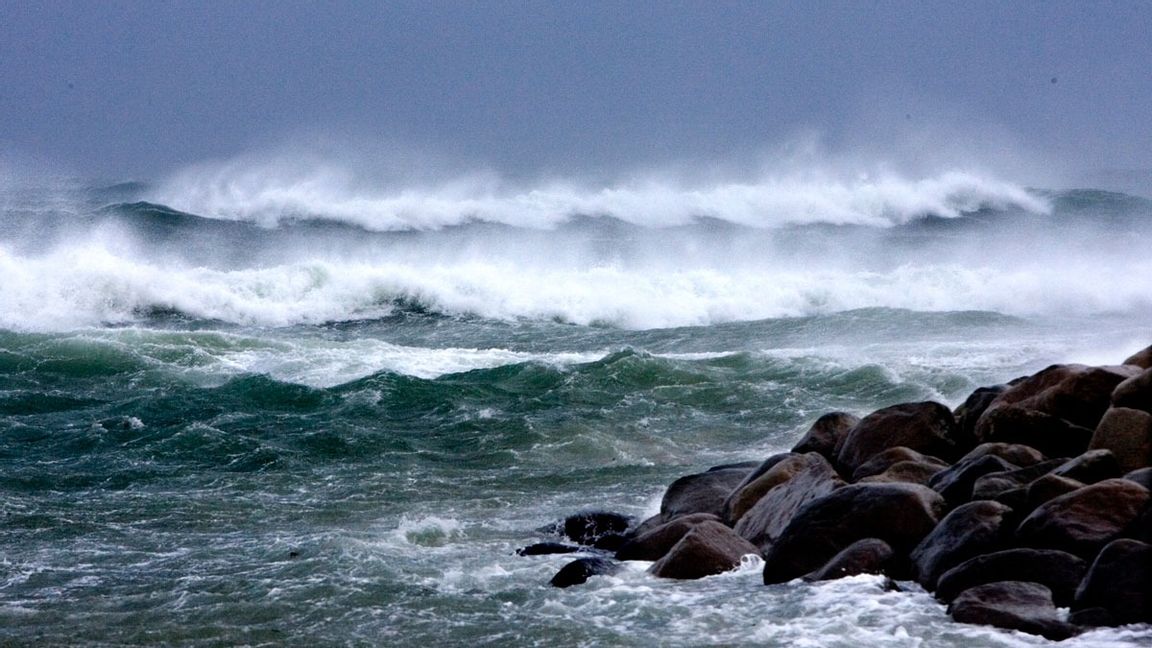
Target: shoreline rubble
x,y
1029,496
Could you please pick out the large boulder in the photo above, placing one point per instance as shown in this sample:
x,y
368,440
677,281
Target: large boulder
x,y
1014,453
1090,467
899,514
580,570
1135,392
908,472
1120,581
956,483
1083,521
991,485
1127,433
1012,605
969,530
708,548
656,543
867,556
826,434
882,461
1142,358
1059,571
589,526
764,522
745,495
701,493
1048,488
970,411
1051,435
928,428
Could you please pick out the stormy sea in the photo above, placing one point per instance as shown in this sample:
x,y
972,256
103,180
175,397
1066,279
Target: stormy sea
x,y
237,408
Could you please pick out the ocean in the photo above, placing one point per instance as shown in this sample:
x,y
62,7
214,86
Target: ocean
x,y
237,408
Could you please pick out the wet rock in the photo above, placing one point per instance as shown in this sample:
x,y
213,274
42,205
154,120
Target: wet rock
x,y
1142,358
656,543
764,522
546,548
701,493
884,460
1083,521
586,527
927,427
1047,488
968,531
956,482
1075,393
1049,434
1091,467
1059,571
972,409
1120,581
708,548
1135,392
867,556
1014,453
1127,433
990,486
579,571
899,514
908,472
1143,476
1012,605
826,434
746,495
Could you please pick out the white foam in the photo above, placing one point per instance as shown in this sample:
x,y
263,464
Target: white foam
x,y
269,192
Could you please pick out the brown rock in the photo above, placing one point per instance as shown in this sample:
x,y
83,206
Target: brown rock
x,y
927,427
1076,393
1120,581
1048,488
749,492
826,434
1012,605
1135,392
1049,434
969,530
1091,467
655,543
709,548
867,556
1127,433
1014,453
899,514
992,485
972,409
701,493
1142,358
884,460
764,522
1083,521
1059,571
956,483
908,472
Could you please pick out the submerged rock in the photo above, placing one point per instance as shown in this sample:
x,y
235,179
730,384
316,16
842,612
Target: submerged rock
x,y
546,548
587,527
579,571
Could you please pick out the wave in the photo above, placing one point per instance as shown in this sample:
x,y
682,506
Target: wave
x,y
269,196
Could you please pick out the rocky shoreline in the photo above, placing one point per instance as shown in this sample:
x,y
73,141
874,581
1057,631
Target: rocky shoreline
x,y
1028,497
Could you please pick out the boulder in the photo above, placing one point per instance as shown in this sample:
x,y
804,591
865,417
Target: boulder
x,y
884,460
969,530
909,472
1075,393
708,548
899,514
993,484
587,527
1083,521
1047,488
972,409
956,483
1059,571
1127,433
750,491
1014,453
580,570
1142,476
1090,467
927,427
1120,581
867,556
655,544
1049,434
826,434
1012,605
701,493
1135,392
1142,358
764,522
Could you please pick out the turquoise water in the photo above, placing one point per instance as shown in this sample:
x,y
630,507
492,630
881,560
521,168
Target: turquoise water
x,y
312,433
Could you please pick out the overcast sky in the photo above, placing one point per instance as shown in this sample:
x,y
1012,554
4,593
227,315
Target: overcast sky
x,y
143,88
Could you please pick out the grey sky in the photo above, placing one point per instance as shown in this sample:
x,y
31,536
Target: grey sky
x,y
141,88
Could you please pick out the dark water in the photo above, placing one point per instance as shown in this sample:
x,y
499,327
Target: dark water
x,y
309,432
